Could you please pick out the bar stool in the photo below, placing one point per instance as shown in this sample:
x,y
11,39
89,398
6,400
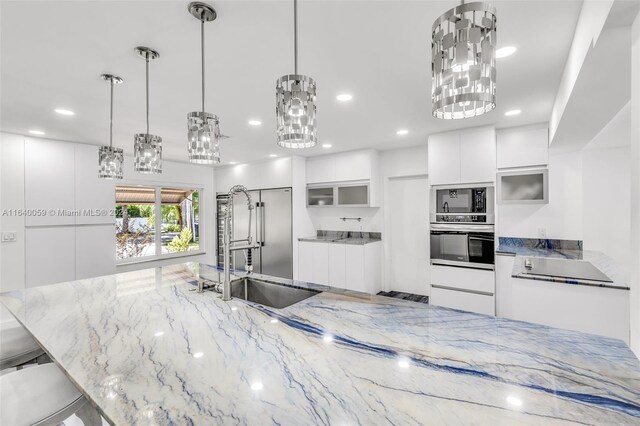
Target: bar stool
x,y
37,395
16,345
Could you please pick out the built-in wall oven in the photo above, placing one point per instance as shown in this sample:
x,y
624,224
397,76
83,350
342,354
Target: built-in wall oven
x,y
470,246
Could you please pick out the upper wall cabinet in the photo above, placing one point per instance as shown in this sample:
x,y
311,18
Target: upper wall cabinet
x,y
49,182
463,157
523,146
355,173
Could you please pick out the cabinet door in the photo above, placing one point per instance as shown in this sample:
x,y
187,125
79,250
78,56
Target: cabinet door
x,y
95,251
444,159
305,261
337,265
321,170
462,300
94,196
355,268
478,155
50,255
504,284
321,263
372,267
523,147
49,181
353,166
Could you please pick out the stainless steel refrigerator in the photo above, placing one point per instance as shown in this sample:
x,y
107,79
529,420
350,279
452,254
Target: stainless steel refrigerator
x,y
271,228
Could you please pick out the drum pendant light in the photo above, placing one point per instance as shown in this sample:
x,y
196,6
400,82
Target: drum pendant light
x,y
463,67
147,148
110,159
296,102
203,127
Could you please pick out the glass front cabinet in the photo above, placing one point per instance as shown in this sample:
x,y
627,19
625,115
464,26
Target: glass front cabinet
x,y
354,194
523,187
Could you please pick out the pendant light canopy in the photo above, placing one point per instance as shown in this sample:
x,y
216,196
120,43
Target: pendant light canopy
x,y
464,61
203,127
296,102
147,148
110,159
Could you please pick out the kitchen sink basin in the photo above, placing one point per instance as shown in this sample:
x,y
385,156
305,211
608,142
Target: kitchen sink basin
x,y
268,294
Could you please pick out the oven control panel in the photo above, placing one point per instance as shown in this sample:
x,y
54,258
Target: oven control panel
x,y
466,218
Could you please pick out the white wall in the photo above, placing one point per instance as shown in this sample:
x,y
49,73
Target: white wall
x,y
328,219
12,187
276,173
635,188
562,217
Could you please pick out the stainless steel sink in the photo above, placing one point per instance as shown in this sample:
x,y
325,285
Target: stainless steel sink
x,y
268,294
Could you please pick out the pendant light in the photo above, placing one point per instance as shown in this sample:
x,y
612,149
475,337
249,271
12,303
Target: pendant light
x,y
110,159
463,66
296,102
147,148
203,127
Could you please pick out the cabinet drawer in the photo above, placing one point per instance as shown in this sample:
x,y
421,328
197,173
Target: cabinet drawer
x,y
455,299
477,280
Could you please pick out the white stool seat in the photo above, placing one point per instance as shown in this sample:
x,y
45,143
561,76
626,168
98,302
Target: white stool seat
x,y
39,395
16,345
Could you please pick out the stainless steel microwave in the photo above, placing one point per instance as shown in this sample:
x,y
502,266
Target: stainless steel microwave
x,y
463,205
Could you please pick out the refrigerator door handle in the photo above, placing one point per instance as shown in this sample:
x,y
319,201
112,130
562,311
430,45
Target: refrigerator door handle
x,y
262,233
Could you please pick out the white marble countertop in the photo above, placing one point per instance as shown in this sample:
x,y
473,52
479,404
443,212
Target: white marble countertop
x,y
147,350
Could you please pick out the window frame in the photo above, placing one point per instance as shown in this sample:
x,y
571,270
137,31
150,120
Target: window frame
x,y
157,209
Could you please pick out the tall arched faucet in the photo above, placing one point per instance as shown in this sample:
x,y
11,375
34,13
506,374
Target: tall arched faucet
x,y
229,243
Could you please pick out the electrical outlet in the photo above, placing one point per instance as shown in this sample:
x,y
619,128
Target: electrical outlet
x,y
8,237
542,232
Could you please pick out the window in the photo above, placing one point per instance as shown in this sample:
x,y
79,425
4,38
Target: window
x,y
140,236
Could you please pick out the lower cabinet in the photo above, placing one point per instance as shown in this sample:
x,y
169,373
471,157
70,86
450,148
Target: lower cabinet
x,y
466,289
353,267
596,310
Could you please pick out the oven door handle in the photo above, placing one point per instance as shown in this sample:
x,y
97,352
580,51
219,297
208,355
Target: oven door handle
x,y
462,228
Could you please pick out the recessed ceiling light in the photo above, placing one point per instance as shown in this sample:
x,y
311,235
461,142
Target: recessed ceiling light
x,y
326,145
512,112
64,111
37,132
273,155
503,52
344,97
255,123
402,132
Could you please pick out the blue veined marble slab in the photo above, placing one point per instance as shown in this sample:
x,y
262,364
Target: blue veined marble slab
x,y
561,249
148,350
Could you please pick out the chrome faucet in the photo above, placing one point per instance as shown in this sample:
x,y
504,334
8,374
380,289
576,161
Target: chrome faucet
x,y
229,244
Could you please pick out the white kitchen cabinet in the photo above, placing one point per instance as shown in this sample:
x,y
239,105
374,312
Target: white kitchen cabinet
x,y
478,155
596,310
444,158
462,300
462,157
95,251
321,169
50,255
353,166
338,265
49,182
522,146
466,289
353,267
313,262
93,196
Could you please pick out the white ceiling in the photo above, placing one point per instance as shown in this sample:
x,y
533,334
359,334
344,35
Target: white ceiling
x,y
53,53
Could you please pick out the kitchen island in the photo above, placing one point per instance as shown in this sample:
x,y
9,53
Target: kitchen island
x,y
146,349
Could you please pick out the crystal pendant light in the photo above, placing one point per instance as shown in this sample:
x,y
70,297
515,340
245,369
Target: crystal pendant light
x,y
147,148
296,102
203,127
463,63
110,159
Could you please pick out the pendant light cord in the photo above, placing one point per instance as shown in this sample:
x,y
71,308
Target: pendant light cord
x,y
111,117
147,88
295,36
202,55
